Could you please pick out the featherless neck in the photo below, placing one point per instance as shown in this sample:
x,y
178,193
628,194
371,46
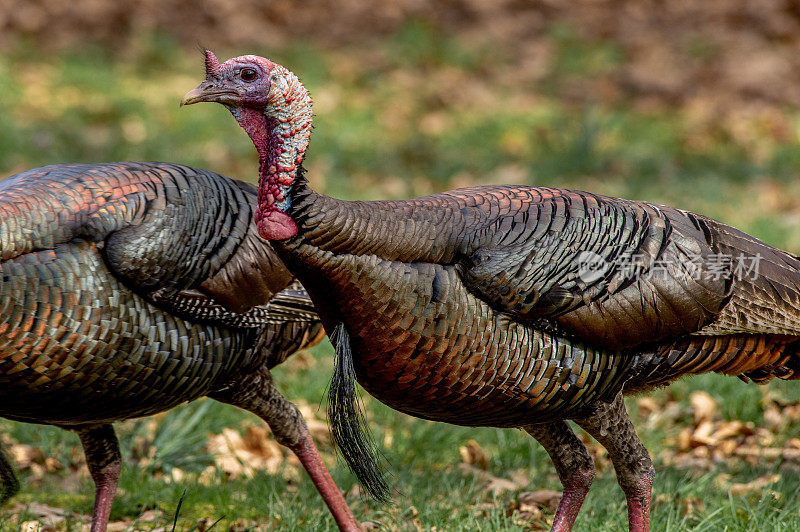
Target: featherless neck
x,y
280,134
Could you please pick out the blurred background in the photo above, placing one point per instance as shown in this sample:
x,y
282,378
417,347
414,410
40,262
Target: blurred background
x,y
693,104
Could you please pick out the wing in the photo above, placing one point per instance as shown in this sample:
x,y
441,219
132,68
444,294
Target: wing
x,y
164,228
612,272
765,298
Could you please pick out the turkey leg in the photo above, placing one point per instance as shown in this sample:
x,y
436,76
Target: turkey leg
x,y
612,428
101,448
256,393
573,464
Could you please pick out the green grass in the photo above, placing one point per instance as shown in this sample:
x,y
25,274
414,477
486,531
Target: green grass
x,y
417,114
423,460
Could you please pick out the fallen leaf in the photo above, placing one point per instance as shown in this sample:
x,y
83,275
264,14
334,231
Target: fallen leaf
x,y
521,477
317,427
704,406
754,485
731,429
25,456
473,454
493,484
239,455
790,453
647,406
702,434
47,517
150,515
541,499
691,506
208,476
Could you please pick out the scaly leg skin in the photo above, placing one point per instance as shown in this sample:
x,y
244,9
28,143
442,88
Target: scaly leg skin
x,y
256,393
574,466
104,461
612,428
9,485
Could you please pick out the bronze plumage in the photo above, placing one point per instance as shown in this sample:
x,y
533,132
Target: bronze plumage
x,y
129,288
515,306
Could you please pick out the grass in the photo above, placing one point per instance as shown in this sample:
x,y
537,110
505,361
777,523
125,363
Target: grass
x,y
417,114
423,459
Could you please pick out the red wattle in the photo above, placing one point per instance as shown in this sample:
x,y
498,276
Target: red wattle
x,y
276,225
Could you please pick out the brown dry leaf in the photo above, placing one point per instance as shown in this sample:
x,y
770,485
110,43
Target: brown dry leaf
x,y
527,509
243,456
755,485
25,456
773,418
647,406
540,499
764,437
51,465
596,451
521,477
728,447
692,506
208,476
473,454
47,517
790,453
176,475
149,516
685,439
732,429
705,407
415,518
702,434
318,428
495,485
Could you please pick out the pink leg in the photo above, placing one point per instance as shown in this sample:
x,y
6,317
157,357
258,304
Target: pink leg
x,y
574,466
639,505
104,462
307,452
256,393
575,490
612,427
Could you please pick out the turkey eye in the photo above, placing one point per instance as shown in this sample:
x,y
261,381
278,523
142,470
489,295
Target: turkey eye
x,y
248,74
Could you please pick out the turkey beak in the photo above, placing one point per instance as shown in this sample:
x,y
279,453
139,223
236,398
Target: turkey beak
x,y
208,91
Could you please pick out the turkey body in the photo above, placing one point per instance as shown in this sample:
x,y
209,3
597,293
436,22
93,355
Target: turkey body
x,y
511,306
476,307
129,288
476,310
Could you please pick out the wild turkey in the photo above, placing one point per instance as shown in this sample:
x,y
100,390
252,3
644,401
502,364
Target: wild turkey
x,y
512,306
129,288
